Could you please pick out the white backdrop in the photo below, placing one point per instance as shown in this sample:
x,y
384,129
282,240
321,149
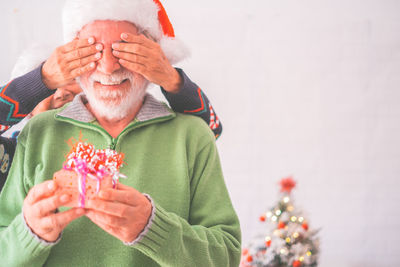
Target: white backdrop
x,y
306,88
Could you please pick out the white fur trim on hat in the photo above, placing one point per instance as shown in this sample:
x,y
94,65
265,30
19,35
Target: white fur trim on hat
x,y
142,13
31,58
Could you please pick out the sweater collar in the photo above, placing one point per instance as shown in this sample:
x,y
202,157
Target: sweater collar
x,y
151,109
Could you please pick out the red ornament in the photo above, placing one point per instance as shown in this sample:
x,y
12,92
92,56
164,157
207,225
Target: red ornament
x,y
297,263
249,258
245,251
305,226
281,225
268,243
287,184
262,218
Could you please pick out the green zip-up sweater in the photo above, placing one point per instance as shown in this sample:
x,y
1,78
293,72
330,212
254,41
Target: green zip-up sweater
x,y
170,157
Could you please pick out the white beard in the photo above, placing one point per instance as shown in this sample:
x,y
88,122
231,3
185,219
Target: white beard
x,y
115,104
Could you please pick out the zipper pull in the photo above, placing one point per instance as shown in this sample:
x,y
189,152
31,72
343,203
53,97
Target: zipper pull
x,y
113,144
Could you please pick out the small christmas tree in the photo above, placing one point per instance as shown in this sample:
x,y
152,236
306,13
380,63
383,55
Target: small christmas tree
x,y
287,241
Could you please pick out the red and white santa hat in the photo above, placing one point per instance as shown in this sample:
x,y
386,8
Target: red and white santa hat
x,y
148,15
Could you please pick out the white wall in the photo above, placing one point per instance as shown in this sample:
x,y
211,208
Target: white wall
x,y
309,88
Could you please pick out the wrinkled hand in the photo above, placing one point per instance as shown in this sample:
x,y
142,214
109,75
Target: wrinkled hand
x,y
70,61
144,56
121,212
39,211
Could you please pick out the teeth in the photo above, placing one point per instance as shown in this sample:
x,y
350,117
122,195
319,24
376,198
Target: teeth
x,y
109,82
114,79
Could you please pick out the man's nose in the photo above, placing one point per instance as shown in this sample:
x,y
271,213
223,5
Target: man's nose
x,y
108,63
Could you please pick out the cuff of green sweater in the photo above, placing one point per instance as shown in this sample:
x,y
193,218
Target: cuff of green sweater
x,y
148,225
158,232
28,239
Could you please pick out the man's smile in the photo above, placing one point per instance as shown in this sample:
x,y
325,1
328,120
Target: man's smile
x,y
111,84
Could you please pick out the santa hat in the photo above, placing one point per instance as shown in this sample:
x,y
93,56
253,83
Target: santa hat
x,y
147,15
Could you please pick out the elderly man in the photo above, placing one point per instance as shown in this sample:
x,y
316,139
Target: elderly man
x,y
172,210
32,81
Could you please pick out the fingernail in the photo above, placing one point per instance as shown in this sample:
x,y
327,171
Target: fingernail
x,y
124,36
99,47
92,65
98,55
91,40
115,45
115,53
64,198
51,185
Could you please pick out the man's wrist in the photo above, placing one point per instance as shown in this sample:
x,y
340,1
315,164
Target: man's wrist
x,y
148,223
37,237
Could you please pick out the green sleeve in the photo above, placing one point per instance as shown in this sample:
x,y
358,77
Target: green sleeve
x,y
18,245
211,236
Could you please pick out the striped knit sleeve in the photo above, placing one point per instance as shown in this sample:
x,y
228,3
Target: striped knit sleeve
x,y
192,100
19,97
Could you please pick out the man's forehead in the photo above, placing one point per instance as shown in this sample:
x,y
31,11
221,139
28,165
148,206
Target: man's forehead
x,y
107,30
